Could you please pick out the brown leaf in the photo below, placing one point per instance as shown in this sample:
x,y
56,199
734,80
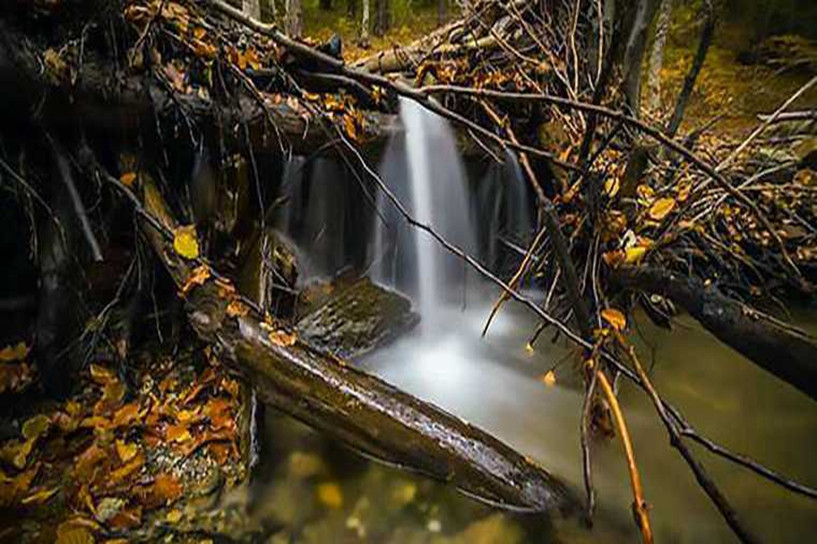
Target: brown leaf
x,y
128,179
167,488
177,433
127,470
127,415
17,352
549,378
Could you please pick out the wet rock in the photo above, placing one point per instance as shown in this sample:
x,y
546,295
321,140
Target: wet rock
x,y
357,318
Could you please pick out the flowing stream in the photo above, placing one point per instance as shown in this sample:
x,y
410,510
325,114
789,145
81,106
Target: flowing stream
x,y
495,383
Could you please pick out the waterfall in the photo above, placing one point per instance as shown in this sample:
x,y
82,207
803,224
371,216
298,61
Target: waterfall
x,y
423,169
502,202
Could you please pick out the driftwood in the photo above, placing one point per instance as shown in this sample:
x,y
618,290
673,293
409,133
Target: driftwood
x,y
351,405
786,352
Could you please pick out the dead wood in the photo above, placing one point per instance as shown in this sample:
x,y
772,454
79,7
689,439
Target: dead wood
x,y
780,349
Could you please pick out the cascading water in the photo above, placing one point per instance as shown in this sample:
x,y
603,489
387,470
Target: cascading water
x,y
423,169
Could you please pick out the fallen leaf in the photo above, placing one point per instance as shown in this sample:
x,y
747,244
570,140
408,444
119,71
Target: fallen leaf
x,y
39,497
185,242
74,535
36,426
127,469
174,516
167,488
615,318
126,451
549,378
661,208
102,375
329,494
634,254
127,415
18,352
177,433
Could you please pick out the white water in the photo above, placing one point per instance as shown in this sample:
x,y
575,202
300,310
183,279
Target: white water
x,y
423,169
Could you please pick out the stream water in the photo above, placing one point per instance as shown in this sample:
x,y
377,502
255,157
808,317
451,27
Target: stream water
x,y
495,383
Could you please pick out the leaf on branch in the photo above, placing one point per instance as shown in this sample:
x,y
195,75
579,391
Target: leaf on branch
x,y
185,242
128,179
614,318
199,276
282,338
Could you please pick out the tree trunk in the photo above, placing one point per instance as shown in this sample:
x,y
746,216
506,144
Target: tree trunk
x,y
351,9
364,26
634,53
325,5
441,8
786,352
382,17
252,8
657,56
294,18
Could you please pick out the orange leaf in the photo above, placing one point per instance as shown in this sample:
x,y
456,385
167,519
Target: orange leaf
x,y
615,318
282,338
549,378
166,488
128,178
199,276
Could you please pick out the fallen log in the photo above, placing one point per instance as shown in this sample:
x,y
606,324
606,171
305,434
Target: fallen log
x,y
787,352
109,101
344,402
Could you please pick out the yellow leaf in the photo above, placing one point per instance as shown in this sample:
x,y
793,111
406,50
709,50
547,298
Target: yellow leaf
x,y
74,535
282,338
40,496
36,426
615,318
549,378
126,451
349,125
611,186
330,495
661,208
185,242
634,254
174,516
128,178
14,353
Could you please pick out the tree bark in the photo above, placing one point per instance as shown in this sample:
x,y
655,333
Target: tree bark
x,y
252,8
657,56
294,18
364,25
697,63
382,17
786,352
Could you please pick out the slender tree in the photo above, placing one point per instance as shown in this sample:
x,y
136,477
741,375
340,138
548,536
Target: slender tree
x,y
382,17
294,18
657,55
364,26
252,8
